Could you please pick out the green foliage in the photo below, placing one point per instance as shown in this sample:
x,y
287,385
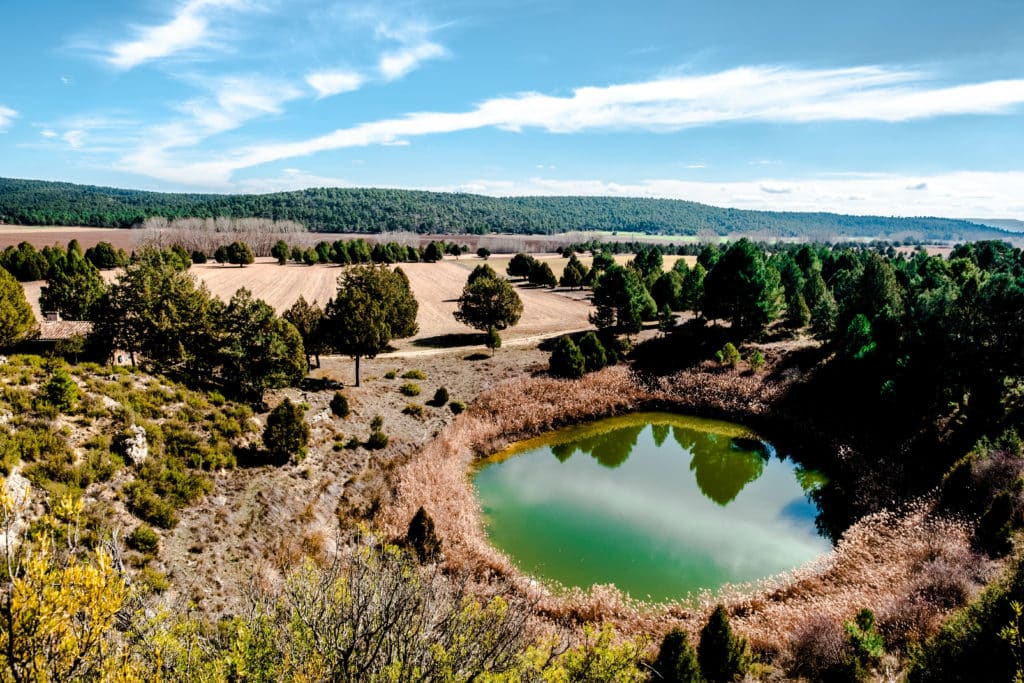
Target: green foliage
x,y
307,319
373,305
723,656
60,391
422,538
339,405
280,251
728,355
74,286
260,350
390,374
410,389
489,302
574,275
413,410
414,374
865,644
594,356
483,253
240,254
493,341
16,317
619,298
756,360
286,434
743,288
31,202
994,533
143,539
541,275
440,397
481,271
676,661
520,265
378,440
457,407
566,359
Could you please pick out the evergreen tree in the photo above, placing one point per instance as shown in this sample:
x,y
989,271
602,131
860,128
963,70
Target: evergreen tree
x,y
286,434
676,661
60,391
373,305
594,356
692,290
743,289
520,266
667,290
433,252
16,318
541,275
620,300
488,302
723,656
422,538
483,270
259,350
307,318
74,286
280,252
574,274
566,359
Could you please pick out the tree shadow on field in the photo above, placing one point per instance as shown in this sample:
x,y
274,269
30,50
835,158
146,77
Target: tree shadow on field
x,y
449,341
477,356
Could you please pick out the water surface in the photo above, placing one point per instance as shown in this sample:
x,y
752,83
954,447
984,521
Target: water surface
x,y
659,504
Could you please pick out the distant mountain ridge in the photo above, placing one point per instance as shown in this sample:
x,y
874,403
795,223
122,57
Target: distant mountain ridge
x,y
370,210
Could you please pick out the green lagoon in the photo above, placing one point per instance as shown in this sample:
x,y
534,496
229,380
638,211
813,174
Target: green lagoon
x,y
659,504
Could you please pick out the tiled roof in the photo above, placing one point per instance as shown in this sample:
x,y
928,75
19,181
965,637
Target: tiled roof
x,y
55,330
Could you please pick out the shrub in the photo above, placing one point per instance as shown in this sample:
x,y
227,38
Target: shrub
x,y
143,539
414,374
440,397
377,440
410,389
154,579
594,357
756,360
413,409
60,391
390,374
457,406
728,355
286,433
723,656
339,405
676,660
421,536
143,502
566,360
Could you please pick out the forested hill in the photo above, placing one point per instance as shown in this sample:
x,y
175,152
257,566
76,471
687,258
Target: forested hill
x,y
33,202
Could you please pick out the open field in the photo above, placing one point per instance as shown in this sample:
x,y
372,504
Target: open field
x,y
39,237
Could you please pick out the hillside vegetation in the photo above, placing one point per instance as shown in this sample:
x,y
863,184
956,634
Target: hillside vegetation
x,y
369,210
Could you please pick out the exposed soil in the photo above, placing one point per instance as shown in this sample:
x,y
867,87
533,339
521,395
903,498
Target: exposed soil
x,y
39,237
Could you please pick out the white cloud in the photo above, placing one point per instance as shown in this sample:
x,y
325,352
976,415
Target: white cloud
x,y
6,116
960,194
74,138
660,105
394,65
696,166
188,29
289,179
47,133
328,83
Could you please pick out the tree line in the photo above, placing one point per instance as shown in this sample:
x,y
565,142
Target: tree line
x,y
369,210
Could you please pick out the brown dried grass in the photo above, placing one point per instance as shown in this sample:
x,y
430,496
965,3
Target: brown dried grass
x,y
910,566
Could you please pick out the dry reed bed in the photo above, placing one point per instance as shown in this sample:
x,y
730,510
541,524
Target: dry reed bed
x,y
910,566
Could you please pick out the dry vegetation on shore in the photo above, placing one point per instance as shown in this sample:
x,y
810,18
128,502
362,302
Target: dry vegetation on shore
x,y
911,566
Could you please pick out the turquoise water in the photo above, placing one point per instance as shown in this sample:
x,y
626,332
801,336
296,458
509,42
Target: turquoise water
x,y
658,504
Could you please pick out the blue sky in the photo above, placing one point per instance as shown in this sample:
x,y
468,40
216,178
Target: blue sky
x,y
897,108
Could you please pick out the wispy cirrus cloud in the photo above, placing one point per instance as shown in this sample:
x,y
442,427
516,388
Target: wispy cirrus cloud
x,y
7,115
329,83
746,94
394,65
188,29
416,47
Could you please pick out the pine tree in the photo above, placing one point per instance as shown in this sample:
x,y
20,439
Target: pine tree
x,y
676,661
723,656
16,318
286,434
566,359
